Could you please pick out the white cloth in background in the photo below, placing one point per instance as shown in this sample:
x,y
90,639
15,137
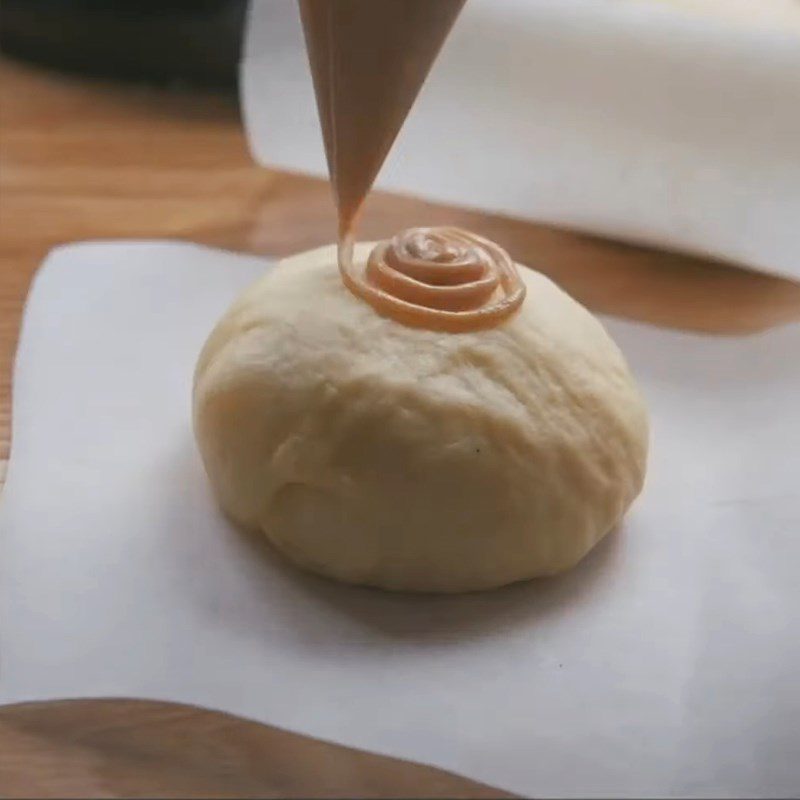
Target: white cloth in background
x,y
669,122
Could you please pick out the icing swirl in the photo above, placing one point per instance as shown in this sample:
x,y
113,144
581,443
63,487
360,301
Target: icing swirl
x,y
444,279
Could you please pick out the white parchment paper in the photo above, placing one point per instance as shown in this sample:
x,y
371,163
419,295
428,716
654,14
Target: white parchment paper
x,y
669,122
666,664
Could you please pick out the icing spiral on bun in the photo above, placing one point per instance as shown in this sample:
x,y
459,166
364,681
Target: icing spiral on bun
x,y
444,279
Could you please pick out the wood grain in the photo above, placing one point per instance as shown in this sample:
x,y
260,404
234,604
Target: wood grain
x,y
135,748
87,160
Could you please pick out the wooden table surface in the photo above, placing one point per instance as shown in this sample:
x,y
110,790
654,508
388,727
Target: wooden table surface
x,y
86,160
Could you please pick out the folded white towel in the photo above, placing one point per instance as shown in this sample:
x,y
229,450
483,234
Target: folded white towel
x,y
668,122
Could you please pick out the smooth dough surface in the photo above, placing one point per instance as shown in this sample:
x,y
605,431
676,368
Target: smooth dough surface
x,y
408,459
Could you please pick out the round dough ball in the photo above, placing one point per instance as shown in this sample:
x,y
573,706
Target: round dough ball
x,y
415,460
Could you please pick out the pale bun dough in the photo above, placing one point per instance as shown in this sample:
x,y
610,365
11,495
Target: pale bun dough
x,y
413,460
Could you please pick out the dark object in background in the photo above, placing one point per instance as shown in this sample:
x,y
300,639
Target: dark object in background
x,y
156,41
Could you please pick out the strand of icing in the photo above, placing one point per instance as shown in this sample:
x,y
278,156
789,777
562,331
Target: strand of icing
x,y
444,279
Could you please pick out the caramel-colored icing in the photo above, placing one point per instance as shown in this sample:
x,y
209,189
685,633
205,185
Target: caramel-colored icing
x,y
445,279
